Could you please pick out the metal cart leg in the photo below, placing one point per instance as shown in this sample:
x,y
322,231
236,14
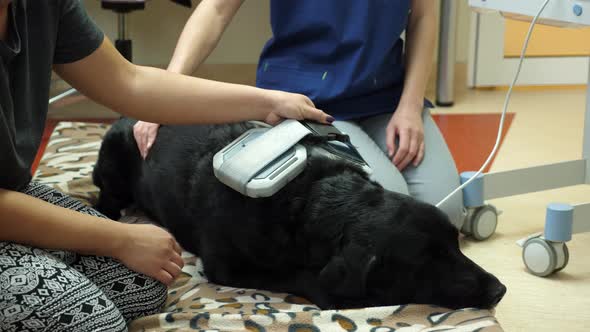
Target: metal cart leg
x,y
445,79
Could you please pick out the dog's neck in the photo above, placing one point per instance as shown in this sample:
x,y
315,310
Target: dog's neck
x,y
325,201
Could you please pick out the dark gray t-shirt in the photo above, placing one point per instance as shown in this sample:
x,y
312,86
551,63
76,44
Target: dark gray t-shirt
x,y
40,33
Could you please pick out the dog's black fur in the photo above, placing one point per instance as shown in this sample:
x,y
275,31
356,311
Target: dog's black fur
x,y
331,235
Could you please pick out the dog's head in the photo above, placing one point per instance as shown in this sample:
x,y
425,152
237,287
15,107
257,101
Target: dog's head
x,y
388,249
113,170
425,260
411,255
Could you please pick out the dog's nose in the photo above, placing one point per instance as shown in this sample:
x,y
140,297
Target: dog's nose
x,y
497,294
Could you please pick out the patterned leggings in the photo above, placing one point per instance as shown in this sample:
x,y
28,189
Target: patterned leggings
x,y
49,290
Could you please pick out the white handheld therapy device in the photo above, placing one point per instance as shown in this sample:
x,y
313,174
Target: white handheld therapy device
x,y
263,160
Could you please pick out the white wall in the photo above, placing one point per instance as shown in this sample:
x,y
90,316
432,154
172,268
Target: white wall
x,y
155,31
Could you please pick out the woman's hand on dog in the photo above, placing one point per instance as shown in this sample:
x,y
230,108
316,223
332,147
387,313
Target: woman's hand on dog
x,y
294,106
150,250
145,135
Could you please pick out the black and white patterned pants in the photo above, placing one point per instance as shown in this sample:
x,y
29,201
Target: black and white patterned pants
x,y
48,290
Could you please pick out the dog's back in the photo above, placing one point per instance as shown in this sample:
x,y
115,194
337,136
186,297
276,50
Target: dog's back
x,y
176,186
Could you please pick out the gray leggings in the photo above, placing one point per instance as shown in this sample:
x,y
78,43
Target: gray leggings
x,y
431,181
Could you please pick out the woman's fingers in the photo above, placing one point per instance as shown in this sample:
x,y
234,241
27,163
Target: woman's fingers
x,y
412,151
164,277
420,155
404,147
172,269
317,115
177,259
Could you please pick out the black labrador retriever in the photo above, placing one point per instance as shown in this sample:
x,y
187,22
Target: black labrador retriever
x,y
331,235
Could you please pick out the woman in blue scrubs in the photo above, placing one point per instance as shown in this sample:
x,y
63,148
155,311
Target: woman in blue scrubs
x,y
348,56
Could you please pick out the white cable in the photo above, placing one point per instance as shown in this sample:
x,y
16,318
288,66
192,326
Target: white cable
x,y
62,96
508,95
260,124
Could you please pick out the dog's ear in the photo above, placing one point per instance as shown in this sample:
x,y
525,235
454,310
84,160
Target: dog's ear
x,y
346,274
113,170
335,271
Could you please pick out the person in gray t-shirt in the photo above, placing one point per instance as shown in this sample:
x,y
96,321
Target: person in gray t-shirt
x,y
52,290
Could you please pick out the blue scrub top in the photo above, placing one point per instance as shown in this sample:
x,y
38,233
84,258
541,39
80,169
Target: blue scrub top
x,y
346,55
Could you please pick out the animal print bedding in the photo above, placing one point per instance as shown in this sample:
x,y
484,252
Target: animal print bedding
x,y
195,304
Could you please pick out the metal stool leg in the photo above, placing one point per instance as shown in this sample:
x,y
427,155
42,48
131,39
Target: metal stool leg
x,y
123,44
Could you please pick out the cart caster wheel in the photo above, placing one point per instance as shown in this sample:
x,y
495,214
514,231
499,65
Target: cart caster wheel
x,y
566,257
543,258
481,222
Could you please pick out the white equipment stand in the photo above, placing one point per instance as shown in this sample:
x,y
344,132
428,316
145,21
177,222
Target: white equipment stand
x,y
543,253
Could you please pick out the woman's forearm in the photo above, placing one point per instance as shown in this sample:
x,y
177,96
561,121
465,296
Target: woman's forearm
x,y
420,45
201,34
159,96
167,98
30,221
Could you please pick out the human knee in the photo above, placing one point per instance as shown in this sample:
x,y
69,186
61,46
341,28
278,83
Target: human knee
x,y
109,320
383,170
455,210
158,292
391,182
42,303
147,299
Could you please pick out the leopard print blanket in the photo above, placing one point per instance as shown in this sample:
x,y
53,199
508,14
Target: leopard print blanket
x,y
194,304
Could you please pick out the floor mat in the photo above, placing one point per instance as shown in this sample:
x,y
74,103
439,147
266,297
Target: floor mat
x,y
49,127
194,304
471,137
